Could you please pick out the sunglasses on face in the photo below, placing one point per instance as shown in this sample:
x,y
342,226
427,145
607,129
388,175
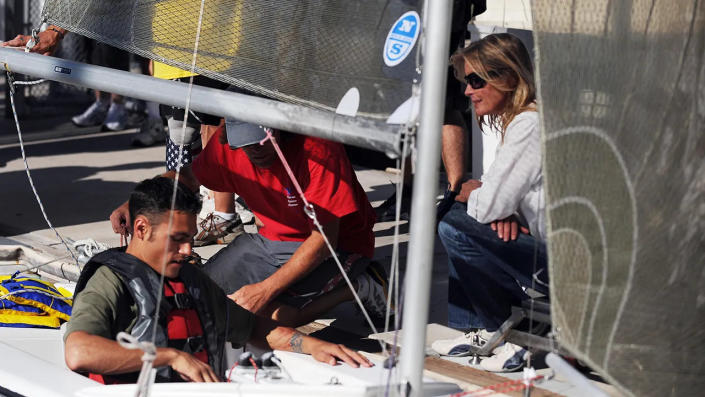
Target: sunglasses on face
x,y
477,82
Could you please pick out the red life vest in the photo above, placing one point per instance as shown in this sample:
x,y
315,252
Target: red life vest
x,y
184,330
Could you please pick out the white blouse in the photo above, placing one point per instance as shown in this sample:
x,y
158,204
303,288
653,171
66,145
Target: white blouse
x,y
513,184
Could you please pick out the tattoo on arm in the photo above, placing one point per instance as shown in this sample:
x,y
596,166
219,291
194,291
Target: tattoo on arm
x,y
296,343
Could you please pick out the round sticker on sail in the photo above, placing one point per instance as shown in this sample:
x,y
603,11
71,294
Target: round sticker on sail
x,y
401,38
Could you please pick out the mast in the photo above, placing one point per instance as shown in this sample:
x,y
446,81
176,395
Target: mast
x,y
417,284
357,131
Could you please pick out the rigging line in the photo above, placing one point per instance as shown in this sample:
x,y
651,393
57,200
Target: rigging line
x,y
534,279
399,188
394,284
33,82
144,380
178,170
38,291
393,350
398,290
394,270
30,268
311,213
11,84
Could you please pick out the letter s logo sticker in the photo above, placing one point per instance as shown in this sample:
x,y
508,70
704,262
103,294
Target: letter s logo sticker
x,y
401,38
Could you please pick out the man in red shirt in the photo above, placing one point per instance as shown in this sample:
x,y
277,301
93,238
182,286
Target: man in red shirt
x,y
286,270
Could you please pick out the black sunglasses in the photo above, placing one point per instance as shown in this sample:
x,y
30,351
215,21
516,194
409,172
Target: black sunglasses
x,y
477,82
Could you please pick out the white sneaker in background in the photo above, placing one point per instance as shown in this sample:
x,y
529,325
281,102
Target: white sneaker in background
x,y
506,358
461,346
93,116
214,229
116,120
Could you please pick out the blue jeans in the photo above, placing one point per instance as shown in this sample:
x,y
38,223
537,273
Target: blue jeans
x,y
485,273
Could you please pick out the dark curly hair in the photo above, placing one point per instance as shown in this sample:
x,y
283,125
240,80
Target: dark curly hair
x,y
152,197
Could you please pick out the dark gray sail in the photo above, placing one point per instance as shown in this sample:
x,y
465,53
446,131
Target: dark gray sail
x,y
622,96
306,52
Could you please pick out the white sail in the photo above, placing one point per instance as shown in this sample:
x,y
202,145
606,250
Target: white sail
x,y
621,97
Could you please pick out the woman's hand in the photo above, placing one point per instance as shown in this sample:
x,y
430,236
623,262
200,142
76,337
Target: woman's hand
x,y
508,228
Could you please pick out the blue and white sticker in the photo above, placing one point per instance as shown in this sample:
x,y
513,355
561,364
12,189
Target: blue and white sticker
x,y
401,38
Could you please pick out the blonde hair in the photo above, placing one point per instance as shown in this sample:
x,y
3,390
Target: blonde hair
x,y
503,61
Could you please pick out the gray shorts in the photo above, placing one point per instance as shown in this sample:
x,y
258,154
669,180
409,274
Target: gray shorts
x,y
251,258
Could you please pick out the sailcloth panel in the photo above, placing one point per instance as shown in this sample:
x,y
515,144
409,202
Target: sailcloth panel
x,y
622,95
308,52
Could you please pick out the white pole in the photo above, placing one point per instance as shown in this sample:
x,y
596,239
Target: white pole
x,y
360,132
417,284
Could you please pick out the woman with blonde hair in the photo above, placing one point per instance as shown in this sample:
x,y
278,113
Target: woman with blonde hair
x,y
494,235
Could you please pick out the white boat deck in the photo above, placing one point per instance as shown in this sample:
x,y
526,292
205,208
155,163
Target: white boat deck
x,y
82,179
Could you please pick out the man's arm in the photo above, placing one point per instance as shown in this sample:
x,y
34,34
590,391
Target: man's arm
x,y
268,334
120,217
305,259
466,188
91,353
48,40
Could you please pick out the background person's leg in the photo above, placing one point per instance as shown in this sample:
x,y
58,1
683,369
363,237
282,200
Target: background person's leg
x,y
224,201
521,258
460,312
223,225
244,261
321,290
487,286
108,56
293,316
327,290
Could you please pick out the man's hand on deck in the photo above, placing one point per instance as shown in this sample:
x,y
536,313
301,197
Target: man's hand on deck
x,y
253,297
330,353
192,369
120,220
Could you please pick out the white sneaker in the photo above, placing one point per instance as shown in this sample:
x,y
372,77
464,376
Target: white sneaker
x,y
94,115
506,358
116,120
214,229
372,294
462,345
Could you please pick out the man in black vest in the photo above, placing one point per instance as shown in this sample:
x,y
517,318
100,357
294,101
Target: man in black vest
x,y
118,290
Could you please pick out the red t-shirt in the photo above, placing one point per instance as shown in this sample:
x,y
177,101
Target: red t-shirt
x,y
326,177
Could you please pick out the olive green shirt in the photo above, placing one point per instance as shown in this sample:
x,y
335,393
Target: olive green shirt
x,y
105,308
